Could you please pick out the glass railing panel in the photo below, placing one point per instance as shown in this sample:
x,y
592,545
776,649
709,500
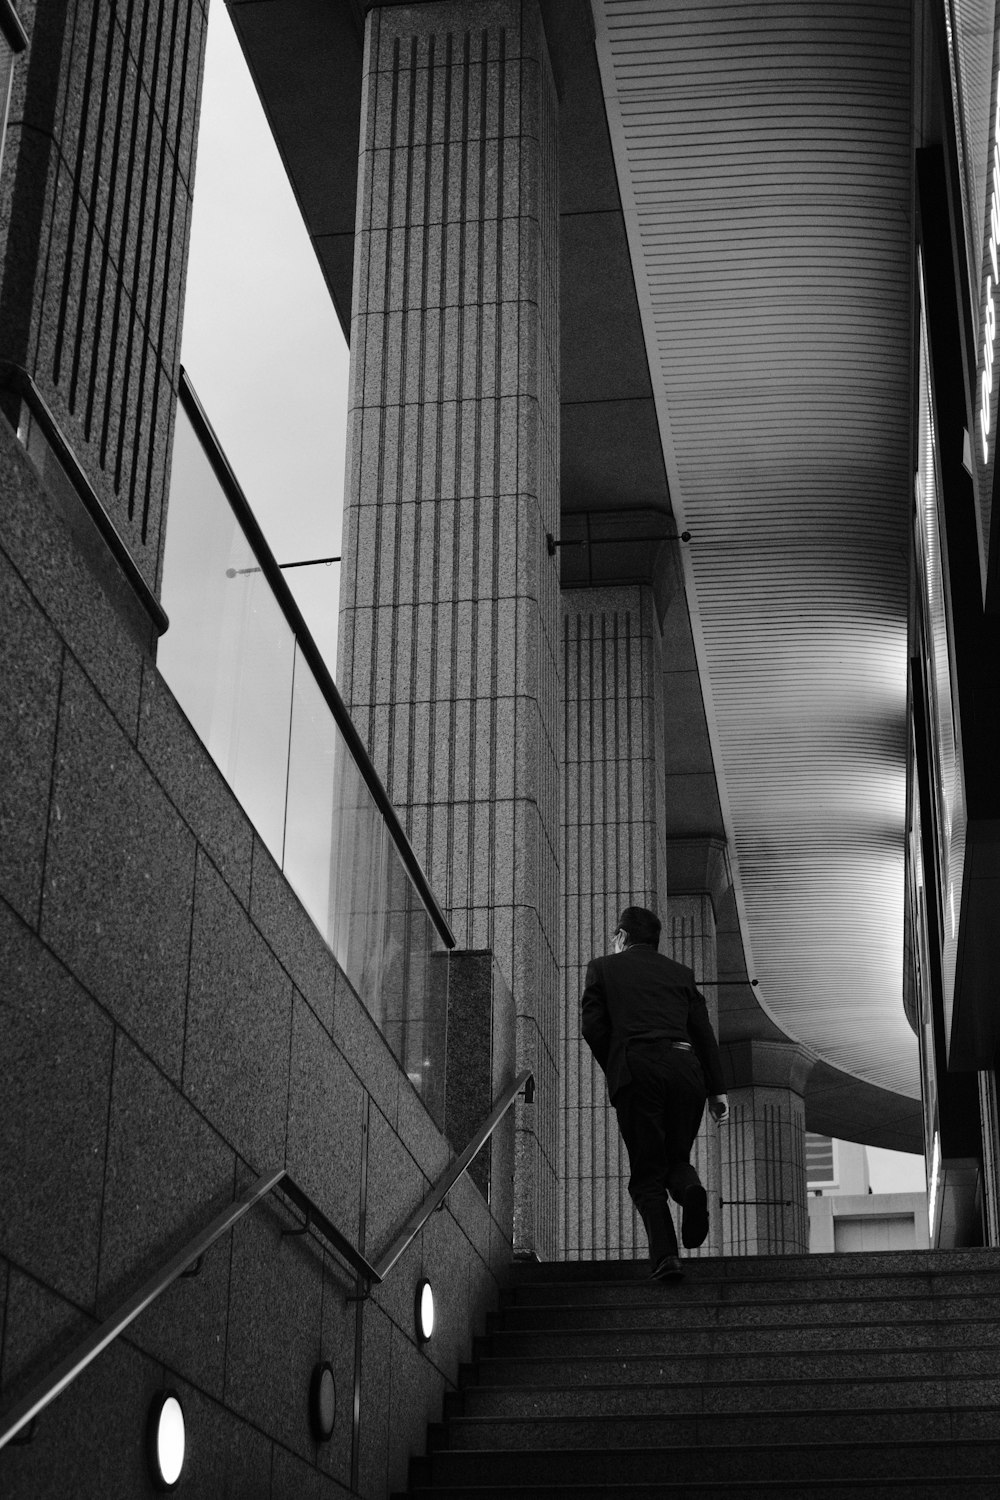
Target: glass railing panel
x,y
228,645
311,807
240,662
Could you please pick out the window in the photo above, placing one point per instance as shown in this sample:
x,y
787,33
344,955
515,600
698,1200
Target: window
x,y
821,1162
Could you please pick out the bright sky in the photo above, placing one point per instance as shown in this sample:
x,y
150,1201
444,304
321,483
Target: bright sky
x,y
262,344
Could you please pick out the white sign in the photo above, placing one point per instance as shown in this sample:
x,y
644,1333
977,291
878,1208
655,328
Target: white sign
x,y
992,282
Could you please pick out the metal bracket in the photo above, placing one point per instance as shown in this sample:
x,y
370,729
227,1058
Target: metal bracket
x,y
305,1228
756,1202
551,542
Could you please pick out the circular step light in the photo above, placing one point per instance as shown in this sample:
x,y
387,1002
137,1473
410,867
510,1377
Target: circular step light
x,y
424,1311
322,1402
166,1440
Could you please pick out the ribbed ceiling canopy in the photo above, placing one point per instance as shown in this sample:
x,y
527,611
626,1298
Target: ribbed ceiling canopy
x,y
764,161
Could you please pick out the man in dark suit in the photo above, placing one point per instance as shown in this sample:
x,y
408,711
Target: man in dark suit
x,y
648,1026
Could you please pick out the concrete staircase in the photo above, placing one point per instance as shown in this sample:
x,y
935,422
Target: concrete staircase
x,y
821,1376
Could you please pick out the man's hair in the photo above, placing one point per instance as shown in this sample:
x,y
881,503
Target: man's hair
x,y
640,926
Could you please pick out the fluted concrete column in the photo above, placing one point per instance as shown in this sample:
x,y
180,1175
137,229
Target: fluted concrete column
x,y
763,1150
95,202
614,856
449,601
699,877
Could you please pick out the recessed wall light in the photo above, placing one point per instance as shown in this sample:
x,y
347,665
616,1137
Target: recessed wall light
x,y
166,1439
322,1402
424,1311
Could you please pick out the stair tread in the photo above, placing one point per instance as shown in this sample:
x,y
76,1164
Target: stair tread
x,y
878,1348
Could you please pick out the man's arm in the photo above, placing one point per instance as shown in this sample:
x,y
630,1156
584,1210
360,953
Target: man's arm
x,y
596,1021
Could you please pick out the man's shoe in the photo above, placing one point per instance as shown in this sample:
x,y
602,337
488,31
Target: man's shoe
x,y
667,1268
694,1217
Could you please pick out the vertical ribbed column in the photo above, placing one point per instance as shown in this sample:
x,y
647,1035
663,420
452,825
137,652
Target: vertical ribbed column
x,y
95,204
449,602
613,856
690,939
763,1150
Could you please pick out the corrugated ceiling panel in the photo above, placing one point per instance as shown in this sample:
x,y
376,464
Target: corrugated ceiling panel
x,y
764,157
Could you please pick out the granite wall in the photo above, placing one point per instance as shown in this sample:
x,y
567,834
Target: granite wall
x,y
95,202
173,1025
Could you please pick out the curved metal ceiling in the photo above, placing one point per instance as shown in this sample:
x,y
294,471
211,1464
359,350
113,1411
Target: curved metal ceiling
x,y
764,161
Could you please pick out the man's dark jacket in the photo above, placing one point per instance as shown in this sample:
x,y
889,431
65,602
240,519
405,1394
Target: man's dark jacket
x,y
642,993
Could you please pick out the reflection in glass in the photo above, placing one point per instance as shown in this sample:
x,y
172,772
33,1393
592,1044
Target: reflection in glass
x,y
949,789
233,662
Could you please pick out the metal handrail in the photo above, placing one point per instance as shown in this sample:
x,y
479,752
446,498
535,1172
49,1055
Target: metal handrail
x,y
447,1180
27,1409
272,572
16,379
75,1363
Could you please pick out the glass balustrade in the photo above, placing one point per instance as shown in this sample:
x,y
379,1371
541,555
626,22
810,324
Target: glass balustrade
x,y
242,666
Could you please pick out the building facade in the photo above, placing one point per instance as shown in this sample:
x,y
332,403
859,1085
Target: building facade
x,y
668,580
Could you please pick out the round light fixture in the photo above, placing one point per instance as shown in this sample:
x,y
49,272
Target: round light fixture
x,y
424,1311
165,1439
322,1402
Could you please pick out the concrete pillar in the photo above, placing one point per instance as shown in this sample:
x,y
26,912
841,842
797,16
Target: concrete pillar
x,y
764,1210
699,878
95,200
449,601
614,856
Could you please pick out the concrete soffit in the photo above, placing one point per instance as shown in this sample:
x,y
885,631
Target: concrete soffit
x,y
621,477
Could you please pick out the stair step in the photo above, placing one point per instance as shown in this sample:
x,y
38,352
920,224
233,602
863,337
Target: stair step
x,y
716,1291
881,1423
782,1377
787,1463
572,1343
770,1338
787,1268
968,1487
683,1369
660,1313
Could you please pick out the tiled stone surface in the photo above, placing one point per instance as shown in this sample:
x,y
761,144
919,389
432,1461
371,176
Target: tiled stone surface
x,y
84,214
395,1185
337,1347
376,1367
366,1049
31,665
40,1328
237,1047
416,1393
293,1477
119,876
227,1458
189,776
293,935
100,1420
274,1326
168,1174
614,856
55,1082
40,546
424,1141
449,605
325,1107
763,1173
691,939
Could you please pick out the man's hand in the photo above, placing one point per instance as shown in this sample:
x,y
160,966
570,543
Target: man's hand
x,y
718,1106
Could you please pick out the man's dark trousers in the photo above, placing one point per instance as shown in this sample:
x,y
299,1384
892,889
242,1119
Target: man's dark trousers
x,y
659,1114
